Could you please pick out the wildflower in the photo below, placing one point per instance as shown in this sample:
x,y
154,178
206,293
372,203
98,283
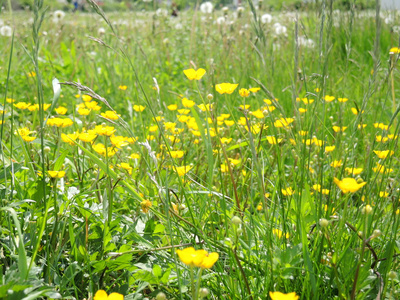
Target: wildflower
x,y
329,149
328,98
336,163
281,296
225,140
272,140
139,108
69,138
182,170
56,174
85,137
5,30
283,122
229,122
134,156
339,129
197,258
172,107
192,74
118,141
226,88
58,15
31,74
83,111
61,110
206,107
104,130
348,185
381,126
244,93
86,98
266,18
254,90
123,87
279,233
288,191
394,50
302,110
354,171
206,7
356,111
177,154
367,209
383,194
384,154
342,100
188,103
102,295
184,111
317,187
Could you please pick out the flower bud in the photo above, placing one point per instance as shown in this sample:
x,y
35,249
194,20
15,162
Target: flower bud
x,y
210,97
323,223
204,292
367,209
392,275
161,296
236,221
47,149
376,233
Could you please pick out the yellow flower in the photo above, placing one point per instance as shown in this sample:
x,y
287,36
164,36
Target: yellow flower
x,y
328,98
329,148
183,111
86,137
61,110
383,194
104,130
384,154
244,107
83,111
123,87
69,138
31,74
254,90
272,140
279,233
342,100
225,140
145,205
339,129
188,103
226,88
282,296
139,108
258,114
354,171
28,138
283,122
302,110
197,258
177,154
206,107
287,192
109,114
192,74
336,163
318,188
348,185
355,111
134,156
381,126
182,170
22,105
86,98
102,295
244,92
394,50
172,107
56,174
229,122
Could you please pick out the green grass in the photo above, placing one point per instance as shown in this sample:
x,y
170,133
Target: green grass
x,y
92,229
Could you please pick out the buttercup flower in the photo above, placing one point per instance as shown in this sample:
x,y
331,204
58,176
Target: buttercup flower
x,y
102,295
348,185
197,258
226,88
282,296
192,74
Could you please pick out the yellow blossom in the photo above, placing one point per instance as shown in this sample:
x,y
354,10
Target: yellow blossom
x,y
336,163
348,185
83,111
61,110
258,114
187,103
172,107
109,114
177,154
328,98
244,92
145,205
22,105
86,98
102,295
123,87
192,74
288,191
383,154
279,233
182,170
197,258
282,296
138,108
69,138
339,129
226,88
343,100
56,174
272,140
354,171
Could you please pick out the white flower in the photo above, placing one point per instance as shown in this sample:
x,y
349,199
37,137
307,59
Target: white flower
x,y
58,15
279,29
5,30
266,18
72,191
303,41
178,26
161,12
206,7
220,20
396,29
240,9
101,31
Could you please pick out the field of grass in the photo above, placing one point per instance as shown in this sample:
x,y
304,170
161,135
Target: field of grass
x,y
278,162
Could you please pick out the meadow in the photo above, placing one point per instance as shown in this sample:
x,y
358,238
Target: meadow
x,y
230,153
